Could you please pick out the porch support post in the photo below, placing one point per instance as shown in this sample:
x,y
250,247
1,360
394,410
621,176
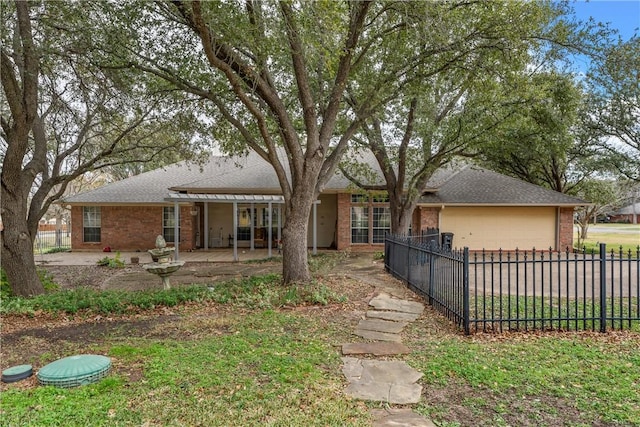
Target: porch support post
x,y
279,221
206,225
270,231
176,229
235,231
315,228
251,214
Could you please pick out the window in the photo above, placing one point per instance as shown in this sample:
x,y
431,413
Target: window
x,y
359,224
91,219
370,217
381,223
168,225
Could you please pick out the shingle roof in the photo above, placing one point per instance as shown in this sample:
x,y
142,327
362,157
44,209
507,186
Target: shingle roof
x,y
253,175
628,210
222,174
473,185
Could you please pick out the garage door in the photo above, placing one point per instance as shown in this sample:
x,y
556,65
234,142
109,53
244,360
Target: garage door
x,y
500,228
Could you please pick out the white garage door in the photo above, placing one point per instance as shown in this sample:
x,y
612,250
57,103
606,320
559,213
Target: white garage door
x,y
500,228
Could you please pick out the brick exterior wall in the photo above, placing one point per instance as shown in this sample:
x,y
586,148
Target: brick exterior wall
x,y
423,218
130,228
565,229
343,233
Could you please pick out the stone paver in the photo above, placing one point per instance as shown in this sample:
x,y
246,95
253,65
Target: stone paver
x,y
382,381
392,382
384,348
389,371
398,394
392,315
380,336
386,302
399,418
380,325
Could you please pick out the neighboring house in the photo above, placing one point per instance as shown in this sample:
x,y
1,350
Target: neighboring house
x,y
237,202
628,214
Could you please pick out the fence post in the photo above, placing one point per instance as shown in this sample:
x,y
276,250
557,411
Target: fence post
x,y
432,270
409,260
603,287
465,291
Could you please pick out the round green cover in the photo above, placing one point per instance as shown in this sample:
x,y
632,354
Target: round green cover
x,y
16,373
17,370
74,370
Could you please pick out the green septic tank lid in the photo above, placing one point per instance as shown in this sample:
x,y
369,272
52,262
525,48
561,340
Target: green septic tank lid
x,y
16,373
75,370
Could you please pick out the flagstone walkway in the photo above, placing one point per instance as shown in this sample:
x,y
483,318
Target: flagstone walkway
x,y
388,381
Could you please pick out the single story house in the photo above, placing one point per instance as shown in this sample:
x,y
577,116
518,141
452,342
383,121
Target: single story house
x,y
236,202
628,214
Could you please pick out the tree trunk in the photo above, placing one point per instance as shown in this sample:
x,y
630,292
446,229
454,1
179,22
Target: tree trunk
x,y
295,266
17,249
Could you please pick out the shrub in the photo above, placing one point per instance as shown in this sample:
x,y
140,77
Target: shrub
x,y
116,262
45,277
5,289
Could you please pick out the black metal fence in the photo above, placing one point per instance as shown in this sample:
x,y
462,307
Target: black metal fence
x,y
52,241
521,290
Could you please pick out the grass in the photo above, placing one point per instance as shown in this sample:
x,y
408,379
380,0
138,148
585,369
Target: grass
x,y
269,369
532,380
234,357
616,241
559,313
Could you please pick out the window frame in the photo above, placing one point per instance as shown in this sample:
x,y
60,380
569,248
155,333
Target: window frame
x,y
369,204
91,224
168,231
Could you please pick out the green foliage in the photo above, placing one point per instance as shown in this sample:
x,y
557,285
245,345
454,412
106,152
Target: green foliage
x,y
115,262
103,302
57,249
268,292
45,277
253,292
5,289
47,281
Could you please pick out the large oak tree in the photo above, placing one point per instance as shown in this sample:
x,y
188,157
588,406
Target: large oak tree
x,y
62,116
275,75
460,100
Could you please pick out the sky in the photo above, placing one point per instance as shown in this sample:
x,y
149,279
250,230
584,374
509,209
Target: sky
x,y
623,15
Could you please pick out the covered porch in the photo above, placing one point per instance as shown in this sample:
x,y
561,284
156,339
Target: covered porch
x,y
253,223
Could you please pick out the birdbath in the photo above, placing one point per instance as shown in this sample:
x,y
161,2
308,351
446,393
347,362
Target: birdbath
x,y
162,265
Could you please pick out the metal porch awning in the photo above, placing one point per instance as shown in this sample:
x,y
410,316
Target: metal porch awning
x,y
224,198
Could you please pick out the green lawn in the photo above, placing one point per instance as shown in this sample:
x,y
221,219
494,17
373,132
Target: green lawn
x,y
254,354
610,234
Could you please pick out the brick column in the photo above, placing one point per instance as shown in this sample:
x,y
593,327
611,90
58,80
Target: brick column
x,y
565,229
